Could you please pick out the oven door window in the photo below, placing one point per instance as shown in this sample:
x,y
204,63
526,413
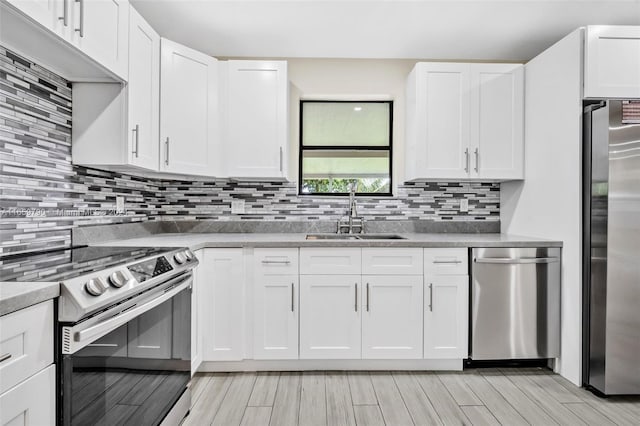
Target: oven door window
x,y
134,374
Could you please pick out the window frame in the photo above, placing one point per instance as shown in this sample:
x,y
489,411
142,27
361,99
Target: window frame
x,y
302,148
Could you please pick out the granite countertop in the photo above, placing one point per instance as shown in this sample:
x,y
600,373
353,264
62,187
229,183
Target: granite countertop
x,y
19,295
196,241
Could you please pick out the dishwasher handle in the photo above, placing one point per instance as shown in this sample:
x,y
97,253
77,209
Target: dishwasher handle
x,y
516,260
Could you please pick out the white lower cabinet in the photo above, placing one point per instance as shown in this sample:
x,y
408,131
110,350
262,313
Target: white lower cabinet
x,y
392,317
27,376
221,279
330,316
446,316
32,402
275,316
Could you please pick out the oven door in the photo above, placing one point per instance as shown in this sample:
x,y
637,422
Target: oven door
x,y
130,366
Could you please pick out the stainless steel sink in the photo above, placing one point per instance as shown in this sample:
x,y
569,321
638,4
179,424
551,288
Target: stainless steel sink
x,y
380,237
354,237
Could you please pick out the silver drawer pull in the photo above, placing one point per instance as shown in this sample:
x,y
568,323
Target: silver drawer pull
x,y
518,260
276,262
430,297
5,357
447,262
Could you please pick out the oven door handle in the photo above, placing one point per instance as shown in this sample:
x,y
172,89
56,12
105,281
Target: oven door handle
x,y
86,336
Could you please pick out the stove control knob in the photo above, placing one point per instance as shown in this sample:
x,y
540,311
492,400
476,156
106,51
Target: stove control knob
x,y
180,258
95,287
188,255
117,279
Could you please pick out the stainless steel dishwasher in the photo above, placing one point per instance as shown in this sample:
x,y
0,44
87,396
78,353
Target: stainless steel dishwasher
x,y
515,303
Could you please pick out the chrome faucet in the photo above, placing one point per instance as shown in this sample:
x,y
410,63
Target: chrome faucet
x,y
351,222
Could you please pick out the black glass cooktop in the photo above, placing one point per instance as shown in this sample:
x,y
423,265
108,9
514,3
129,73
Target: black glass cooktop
x,y
60,265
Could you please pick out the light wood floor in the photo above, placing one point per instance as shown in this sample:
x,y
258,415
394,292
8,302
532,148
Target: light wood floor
x,y
474,397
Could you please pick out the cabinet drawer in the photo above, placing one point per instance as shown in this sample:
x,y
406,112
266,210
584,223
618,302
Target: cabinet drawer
x,y
26,343
330,261
32,402
392,261
273,261
445,261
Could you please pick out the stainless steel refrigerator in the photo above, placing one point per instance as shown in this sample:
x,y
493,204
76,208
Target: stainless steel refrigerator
x,y
611,252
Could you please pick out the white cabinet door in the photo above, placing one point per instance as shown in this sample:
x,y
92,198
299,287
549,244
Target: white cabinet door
x,y
151,334
612,62
26,343
51,14
256,118
446,317
275,316
330,316
188,111
32,402
100,30
392,317
330,260
497,121
143,93
392,261
221,280
442,135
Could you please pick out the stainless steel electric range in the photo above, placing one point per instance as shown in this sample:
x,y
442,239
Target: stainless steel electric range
x,y
123,331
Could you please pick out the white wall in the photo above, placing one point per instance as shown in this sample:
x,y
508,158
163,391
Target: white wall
x,y
548,203
344,79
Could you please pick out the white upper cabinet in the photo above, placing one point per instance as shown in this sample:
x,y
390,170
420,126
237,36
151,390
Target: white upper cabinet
x,y
612,62
464,121
189,142
97,28
116,126
438,121
54,15
496,133
100,30
143,93
256,118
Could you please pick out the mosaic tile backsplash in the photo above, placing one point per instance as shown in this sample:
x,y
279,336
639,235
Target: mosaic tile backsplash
x,y
43,196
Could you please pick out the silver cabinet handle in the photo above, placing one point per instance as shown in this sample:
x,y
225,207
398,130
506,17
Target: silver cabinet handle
x,y
367,297
477,156
446,262
281,159
355,305
81,28
136,130
276,262
5,357
65,13
515,261
430,297
292,298
466,160
166,157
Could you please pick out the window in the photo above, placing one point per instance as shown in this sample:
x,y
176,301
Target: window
x,y
344,142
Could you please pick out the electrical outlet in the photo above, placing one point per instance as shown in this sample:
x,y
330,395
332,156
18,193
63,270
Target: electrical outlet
x,y
237,207
464,205
119,204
